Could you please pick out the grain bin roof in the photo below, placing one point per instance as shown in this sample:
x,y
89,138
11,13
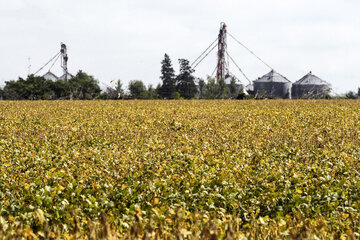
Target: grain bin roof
x,y
68,75
249,87
273,76
310,79
50,76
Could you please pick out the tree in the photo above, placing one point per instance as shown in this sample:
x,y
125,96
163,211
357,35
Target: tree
x,y
83,86
109,93
61,89
202,88
234,91
39,88
168,87
224,91
178,96
14,90
137,89
33,88
350,95
119,89
157,90
114,93
152,93
211,89
358,94
185,80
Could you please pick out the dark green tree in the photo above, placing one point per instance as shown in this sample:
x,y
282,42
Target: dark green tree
x,y
61,89
224,91
358,94
83,86
168,87
350,95
185,80
15,90
33,88
211,89
40,88
152,93
158,89
137,89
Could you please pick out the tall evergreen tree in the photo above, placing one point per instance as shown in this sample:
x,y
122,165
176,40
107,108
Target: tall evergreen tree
x,y
185,80
168,88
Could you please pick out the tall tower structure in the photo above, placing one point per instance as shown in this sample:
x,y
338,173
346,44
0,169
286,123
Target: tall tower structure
x,y
223,61
64,59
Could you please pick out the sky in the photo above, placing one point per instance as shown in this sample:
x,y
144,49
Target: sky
x,y
127,40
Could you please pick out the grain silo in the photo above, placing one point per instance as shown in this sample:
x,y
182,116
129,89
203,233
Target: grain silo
x,y
250,89
310,86
272,85
239,87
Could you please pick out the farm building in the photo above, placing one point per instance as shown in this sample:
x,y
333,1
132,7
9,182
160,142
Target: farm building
x,y
50,76
272,85
66,76
310,86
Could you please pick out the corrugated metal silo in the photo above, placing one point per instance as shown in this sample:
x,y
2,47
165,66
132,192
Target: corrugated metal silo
x,y
272,85
310,86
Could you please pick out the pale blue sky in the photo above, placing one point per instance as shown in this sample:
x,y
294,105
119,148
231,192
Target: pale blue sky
x,y
127,39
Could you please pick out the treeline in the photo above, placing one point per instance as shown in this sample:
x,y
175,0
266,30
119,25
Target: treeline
x,y
173,86
184,86
84,86
181,86
352,94
81,86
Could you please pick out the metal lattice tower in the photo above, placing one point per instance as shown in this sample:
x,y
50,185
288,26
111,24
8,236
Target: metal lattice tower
x,y
223,57
64,59
223,61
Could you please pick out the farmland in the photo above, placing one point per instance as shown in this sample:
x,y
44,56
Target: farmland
x,y
180,169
